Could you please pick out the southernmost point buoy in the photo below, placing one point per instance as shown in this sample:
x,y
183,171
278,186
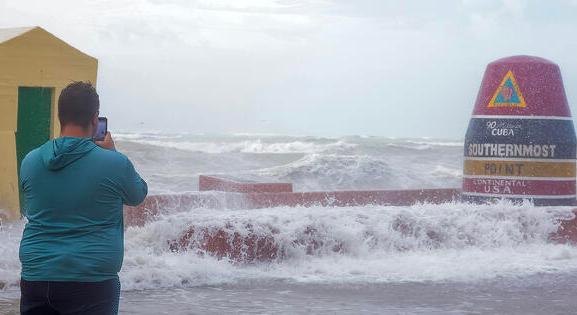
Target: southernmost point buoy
x,y
521,143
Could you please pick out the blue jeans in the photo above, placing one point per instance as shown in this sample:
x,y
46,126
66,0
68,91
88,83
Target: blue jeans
x,y
67,298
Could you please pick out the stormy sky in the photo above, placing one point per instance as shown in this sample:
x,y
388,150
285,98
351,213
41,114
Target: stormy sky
x,y
301,67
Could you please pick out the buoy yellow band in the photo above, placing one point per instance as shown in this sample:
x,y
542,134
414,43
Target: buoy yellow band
x,y
519,168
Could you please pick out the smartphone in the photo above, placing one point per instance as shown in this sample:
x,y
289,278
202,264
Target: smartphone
x,y
101,130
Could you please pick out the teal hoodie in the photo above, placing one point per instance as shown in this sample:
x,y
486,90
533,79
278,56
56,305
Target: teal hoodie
x,y
74,192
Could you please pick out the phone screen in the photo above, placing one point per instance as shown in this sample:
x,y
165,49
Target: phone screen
x,y
102,129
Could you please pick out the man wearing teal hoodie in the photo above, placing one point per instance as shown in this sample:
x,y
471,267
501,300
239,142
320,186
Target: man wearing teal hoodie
x,y
74,188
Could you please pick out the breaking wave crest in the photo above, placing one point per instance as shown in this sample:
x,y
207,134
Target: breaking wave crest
x,y
172,163
256,146
275,144
332,171
459,242
372,244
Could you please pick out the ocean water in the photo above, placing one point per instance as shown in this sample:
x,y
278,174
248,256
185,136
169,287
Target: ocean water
x,y
453,258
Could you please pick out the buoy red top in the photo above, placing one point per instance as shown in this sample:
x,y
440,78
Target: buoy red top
x,y
522,86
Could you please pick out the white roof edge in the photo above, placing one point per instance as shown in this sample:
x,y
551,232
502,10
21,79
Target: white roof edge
x,y
7,34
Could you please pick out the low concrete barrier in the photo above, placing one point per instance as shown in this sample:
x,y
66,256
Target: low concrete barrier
x,y
158,204
253,247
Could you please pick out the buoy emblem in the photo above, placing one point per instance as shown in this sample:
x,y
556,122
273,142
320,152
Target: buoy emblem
x,y
508,93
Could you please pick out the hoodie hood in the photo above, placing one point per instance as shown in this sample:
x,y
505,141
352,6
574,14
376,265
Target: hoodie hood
x,y
60,152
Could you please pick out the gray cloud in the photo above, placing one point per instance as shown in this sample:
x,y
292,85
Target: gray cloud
x,y
383,67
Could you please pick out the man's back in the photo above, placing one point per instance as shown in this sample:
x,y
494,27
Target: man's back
x,y
74,193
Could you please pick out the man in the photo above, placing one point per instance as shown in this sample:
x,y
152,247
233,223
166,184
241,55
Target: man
x,y
73,244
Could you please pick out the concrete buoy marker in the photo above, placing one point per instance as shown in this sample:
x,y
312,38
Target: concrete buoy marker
x,y
521,143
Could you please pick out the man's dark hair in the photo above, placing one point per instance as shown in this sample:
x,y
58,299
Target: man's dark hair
x,y
77,104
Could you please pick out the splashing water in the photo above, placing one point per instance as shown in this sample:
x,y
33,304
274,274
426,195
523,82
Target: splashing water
x,y
425,243
457,242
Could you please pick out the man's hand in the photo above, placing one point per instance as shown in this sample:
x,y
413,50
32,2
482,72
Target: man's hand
x,y
107,143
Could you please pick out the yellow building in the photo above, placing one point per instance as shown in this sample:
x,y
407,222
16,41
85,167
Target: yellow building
x,y
34,67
